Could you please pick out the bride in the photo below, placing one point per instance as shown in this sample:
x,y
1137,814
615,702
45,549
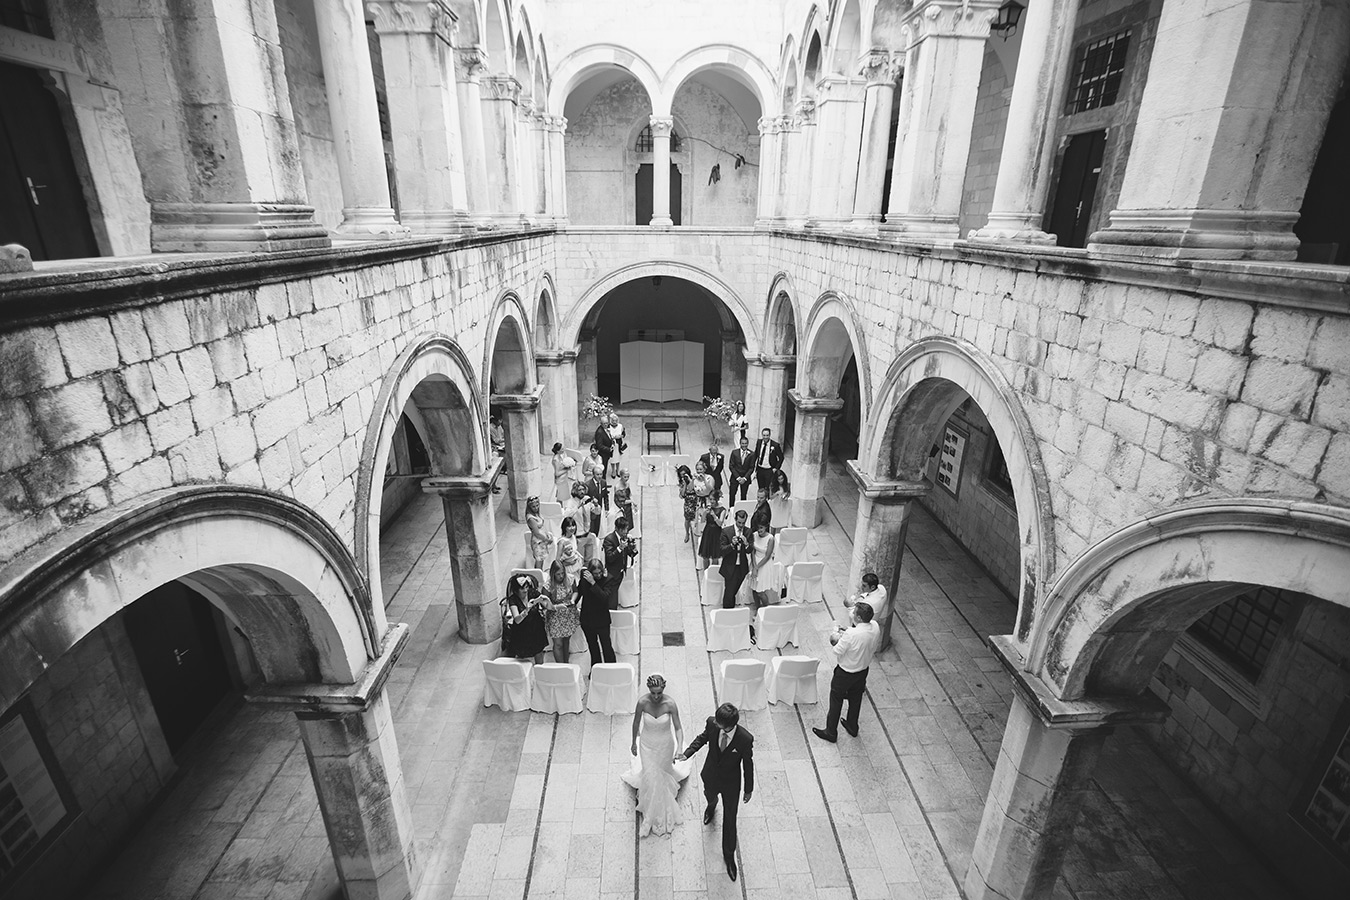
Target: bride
x,y
654,773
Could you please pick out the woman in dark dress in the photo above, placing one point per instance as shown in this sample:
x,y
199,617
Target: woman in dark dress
x,y
524,634
710,545
685,479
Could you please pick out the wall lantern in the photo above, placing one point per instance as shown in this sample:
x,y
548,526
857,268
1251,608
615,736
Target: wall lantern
x,y
1009,15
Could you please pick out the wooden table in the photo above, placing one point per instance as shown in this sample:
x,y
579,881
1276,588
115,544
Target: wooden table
x,y
670,428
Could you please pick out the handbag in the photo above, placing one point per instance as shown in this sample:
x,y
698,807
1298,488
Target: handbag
x,y
507,648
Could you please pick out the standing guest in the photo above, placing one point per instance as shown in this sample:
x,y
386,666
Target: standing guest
x,y
710,541
685,483
768,457
740,424
604,442
714,463
764,583
593,467
524,634
561,614
742,469
585,511
854,648
736,550
595,611
620,550
569,554
623,497
874,595
780,493
564,473
541,539
496,436
704,486
618,436
762,510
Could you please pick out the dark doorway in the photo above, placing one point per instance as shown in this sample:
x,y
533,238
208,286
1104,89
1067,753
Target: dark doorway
x,y
1077,188
1324,224
643,195
173,633
41,203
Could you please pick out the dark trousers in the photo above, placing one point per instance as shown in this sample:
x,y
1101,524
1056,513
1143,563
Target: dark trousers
x,y
764,477
731,802
845,686
733,584
598,640
738,487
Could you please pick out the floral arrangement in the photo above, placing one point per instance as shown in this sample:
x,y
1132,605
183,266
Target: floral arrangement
x,y
718,408
596,407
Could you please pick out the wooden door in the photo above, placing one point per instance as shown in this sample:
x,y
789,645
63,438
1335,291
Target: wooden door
x,y
1077,188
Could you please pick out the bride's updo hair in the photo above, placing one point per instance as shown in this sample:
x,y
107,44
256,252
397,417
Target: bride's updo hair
x,y
656,682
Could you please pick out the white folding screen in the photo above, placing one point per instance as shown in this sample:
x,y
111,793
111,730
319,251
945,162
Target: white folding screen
x,y
669,370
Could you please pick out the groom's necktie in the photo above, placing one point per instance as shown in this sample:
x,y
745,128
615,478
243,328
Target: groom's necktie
x,y
726,739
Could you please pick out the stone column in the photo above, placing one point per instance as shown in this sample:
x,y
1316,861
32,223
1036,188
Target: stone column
x,y
353,756
525,160
837,150
810,454
558,409
732,358
803,145
557,133
216,144
1028,154
470,63
520,420
367,211
471,531
419,75
662,126
769,132
766,391
789,133
879,535
1049,750
881,70
1218,170
942,79
501,100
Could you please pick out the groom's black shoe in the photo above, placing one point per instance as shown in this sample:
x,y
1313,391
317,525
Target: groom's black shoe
x,y
708,815
824,735
852,732
731,869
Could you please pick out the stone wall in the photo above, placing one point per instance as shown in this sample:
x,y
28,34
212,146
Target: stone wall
x,y
309,103
96,715
597,147
982,516
1253,759
713,134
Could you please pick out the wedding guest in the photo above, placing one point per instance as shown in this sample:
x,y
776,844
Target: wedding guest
x,y
496,436
564,473
604,443
764,581
623,497
742,469
739,422
768,458
562,614
541,539
595,619
714,463
524,634
618,436
873,594
685,485
569,554
735,559
854,648
780,493
620,550
710,542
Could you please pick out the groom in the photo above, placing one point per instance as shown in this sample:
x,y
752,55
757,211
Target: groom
x,y
730,748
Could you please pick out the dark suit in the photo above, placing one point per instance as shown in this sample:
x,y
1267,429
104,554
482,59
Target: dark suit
x,y
735,564
595,620
742,465
616,563
774,457
715,469
595,486
604,443
722,775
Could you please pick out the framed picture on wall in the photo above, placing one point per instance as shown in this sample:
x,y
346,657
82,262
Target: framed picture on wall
x,y
949,459
35,801
1323,806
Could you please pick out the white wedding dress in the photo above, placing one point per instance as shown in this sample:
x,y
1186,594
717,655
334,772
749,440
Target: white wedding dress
x,y
656,776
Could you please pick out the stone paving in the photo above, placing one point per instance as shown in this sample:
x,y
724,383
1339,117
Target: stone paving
x,y
517,805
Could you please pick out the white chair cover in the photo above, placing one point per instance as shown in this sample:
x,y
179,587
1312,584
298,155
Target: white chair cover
x,y
804,581
713,586
748,505
743,683
792,679
673,462
613,689
781,510
507,684
729,629
623,632
653,471
791,545
777,626
628,588
557,688
553,516
579,456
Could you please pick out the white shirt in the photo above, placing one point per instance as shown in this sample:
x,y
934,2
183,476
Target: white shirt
x,y
857,645
876,600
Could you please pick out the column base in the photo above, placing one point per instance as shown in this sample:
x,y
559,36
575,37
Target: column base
x,y
662,223
1012,229
370,224
437,221
234,227
864,225
1198,234
921,228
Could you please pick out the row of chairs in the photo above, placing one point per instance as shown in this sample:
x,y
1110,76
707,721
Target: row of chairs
x,y
516,685
804,583
775,627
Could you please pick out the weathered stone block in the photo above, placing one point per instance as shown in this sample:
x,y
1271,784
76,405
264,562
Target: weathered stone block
x,y
88,345
170,426
227,358
59,475
1331,407
195,459
212,407
1283,334
167,326
70,414
30,361
126,447
276,418
260,345
197,370
1219,372
1223,323
19,444
1280,387
170,384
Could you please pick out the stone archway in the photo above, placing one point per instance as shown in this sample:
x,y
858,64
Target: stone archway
x,y
509,381
285,579
772,373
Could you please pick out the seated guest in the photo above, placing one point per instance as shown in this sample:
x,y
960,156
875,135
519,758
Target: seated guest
x,y
874,594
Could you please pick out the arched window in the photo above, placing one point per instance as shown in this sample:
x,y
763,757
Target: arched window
x,y
644,141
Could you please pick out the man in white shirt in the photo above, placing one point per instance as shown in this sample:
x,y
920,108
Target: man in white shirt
x,y
854,648
874,595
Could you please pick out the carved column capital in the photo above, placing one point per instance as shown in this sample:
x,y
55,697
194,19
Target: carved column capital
x,y
949,18
881,67
770,124
804,113
470,63
662,126
557,124
413,17
501,87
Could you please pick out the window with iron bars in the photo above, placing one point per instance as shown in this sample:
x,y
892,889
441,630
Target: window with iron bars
x,y
644,141
1101,66
1243,630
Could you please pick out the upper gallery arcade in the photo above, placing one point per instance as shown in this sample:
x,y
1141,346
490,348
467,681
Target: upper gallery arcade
x,y
289,255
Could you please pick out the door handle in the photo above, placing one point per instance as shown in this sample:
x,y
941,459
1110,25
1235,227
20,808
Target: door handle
x,y
179,654
33,189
